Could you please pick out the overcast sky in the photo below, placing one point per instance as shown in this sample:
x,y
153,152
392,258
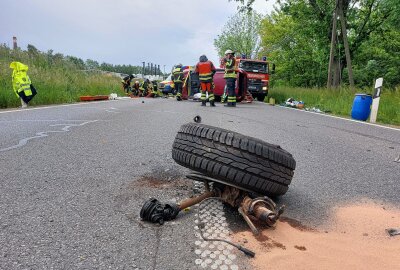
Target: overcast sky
x,y
163,32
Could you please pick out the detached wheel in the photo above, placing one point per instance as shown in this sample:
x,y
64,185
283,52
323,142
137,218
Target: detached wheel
x,y
234,159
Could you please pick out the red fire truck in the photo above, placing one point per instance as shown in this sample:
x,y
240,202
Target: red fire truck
x,y
252,77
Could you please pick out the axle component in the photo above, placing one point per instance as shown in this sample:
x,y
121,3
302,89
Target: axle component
x,y
156,212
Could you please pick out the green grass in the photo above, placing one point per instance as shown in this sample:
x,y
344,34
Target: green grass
x,y
56,81
340,101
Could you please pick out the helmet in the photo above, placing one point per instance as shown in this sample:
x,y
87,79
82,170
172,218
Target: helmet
x,y
136,81
229,52
179,65
131,76
203,58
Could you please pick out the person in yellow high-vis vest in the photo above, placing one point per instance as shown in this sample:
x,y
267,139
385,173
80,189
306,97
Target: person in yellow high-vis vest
x,y
177,78
230,77
22,84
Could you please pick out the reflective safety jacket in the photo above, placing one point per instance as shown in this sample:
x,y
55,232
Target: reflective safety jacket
x,y
20,80
177,75
230,71
206,71
126,81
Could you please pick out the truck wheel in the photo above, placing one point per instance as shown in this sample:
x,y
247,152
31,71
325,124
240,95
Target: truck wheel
x,y
234,158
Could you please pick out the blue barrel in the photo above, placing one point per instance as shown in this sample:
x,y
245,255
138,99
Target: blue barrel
x,y
361,107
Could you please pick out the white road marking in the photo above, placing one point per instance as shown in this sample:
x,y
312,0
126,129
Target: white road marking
x,y
52,106
42,134
337,117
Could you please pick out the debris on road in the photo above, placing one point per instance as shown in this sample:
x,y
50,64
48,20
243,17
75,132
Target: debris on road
x,y
291,102
113,96
250,200
197,119
393,232
93,98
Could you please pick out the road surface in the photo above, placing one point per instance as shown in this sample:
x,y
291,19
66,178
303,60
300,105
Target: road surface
x,y
74,177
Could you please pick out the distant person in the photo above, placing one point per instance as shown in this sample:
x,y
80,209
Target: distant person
x,y
230,77
136,89
144,88
153,90
206,71
177,78
126,83
22,84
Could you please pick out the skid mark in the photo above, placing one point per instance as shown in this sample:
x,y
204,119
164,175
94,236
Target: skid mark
x,y
42,134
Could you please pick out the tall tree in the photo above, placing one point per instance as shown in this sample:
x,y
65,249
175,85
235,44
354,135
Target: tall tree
x,y
297,36
241,34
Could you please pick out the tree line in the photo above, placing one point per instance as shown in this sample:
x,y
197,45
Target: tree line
x,y
49,59
297,37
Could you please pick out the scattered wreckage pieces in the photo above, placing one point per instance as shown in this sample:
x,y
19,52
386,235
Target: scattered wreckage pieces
x,y
393,232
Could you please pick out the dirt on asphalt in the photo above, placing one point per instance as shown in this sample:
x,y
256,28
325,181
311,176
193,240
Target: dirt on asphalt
x,y
354,238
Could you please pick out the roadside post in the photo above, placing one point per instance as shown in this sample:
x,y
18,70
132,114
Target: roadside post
x,y
375,100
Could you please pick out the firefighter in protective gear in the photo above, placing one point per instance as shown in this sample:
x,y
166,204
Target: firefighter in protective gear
x,y
144,87
230,77
177,78
136,89
22,84
206,71
126,83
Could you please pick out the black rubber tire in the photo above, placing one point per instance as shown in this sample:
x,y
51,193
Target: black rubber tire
x,y
233,158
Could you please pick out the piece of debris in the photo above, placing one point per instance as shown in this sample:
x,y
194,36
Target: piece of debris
x,y
397,159
313,109
393,232
113,96
197,119
291,102
142,101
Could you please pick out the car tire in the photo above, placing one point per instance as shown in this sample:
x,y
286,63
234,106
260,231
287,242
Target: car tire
x,y
234,159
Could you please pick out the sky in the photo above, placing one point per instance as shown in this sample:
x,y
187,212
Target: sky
x,y
163,32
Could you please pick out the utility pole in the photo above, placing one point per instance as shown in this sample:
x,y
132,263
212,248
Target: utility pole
x,y
143,69
346,44
15,45
333,43
339,13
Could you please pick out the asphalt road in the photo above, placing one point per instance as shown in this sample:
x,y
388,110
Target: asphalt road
x,y
73,178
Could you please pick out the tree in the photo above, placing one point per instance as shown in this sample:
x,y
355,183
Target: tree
x,y
240,34
297,37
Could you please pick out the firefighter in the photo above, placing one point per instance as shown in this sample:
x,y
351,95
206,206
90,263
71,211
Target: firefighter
x,y
136,89
230,77
126,83
144,87
206,71
177,78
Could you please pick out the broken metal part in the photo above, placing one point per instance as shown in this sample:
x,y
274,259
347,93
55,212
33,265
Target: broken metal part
x,y
263,209
202,225
156,212
201,177
393,232
260,208
195,200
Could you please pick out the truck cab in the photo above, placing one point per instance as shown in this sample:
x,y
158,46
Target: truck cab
x,y
255,73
